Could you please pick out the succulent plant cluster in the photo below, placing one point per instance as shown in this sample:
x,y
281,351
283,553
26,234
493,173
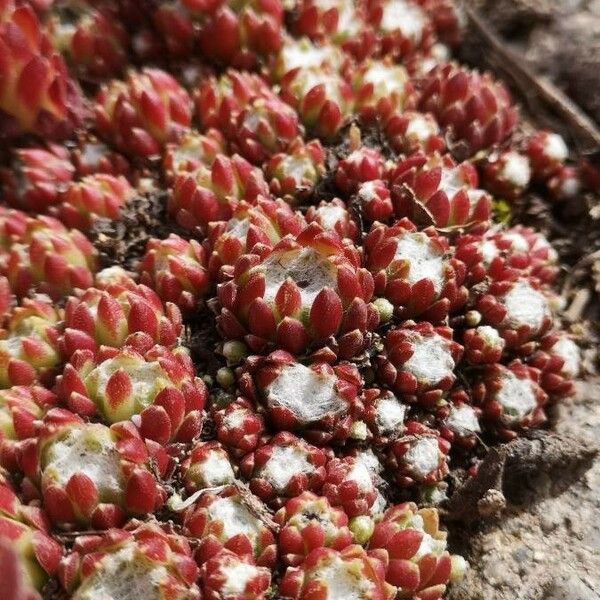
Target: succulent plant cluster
x,y
328,318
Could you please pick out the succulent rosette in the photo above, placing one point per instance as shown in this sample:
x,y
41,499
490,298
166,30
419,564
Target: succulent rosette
x,y
92,156
507,175
191,152
207,465
419,361
220,101
262,224
519,309
142,113
35,553
334,216
50,259
414,271
511,398
242,34
362,164
176,26
447,191
177,270
308,522
239,426
22,407
212,193
508,254
384,413
299,53
158,389
320,400
420,457
228,575
94,196
117,316
266,126
29,343
483,345
326,571
381,88
13,225
547,153
276,296
558,357
37,176
565,184
293,174
349,485
91,474
473,108
322,99
410,132
284,467
37,94
459,421
227,520
93,42
414,550
145,560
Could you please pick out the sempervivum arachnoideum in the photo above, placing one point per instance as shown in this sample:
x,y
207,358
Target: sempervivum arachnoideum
x,y
177,270
207,465
410,543
242,34
448,191
25,529
92,156
229,575
144,112
145,562
322,99
328,573
420,457
507,175
13,225
305,291
22,408
90,474
511,398
307,522
192,151
459,420
158,389
117,316
409,132
475,110
239,426
547,153
362,164
506,254
558,357
321,400
51,259
283,467
227,519
36,177
29,338
349,484
384,415
334,216
212,193
403,28
483,345
98,195
381,88
37,94
293,174
373,200
262,222
415,271
419,361
520,309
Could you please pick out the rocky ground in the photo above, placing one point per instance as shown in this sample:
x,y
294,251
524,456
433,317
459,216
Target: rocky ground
x,y
545,542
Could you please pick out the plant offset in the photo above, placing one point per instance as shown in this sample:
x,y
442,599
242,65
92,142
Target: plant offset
x,y
260,386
